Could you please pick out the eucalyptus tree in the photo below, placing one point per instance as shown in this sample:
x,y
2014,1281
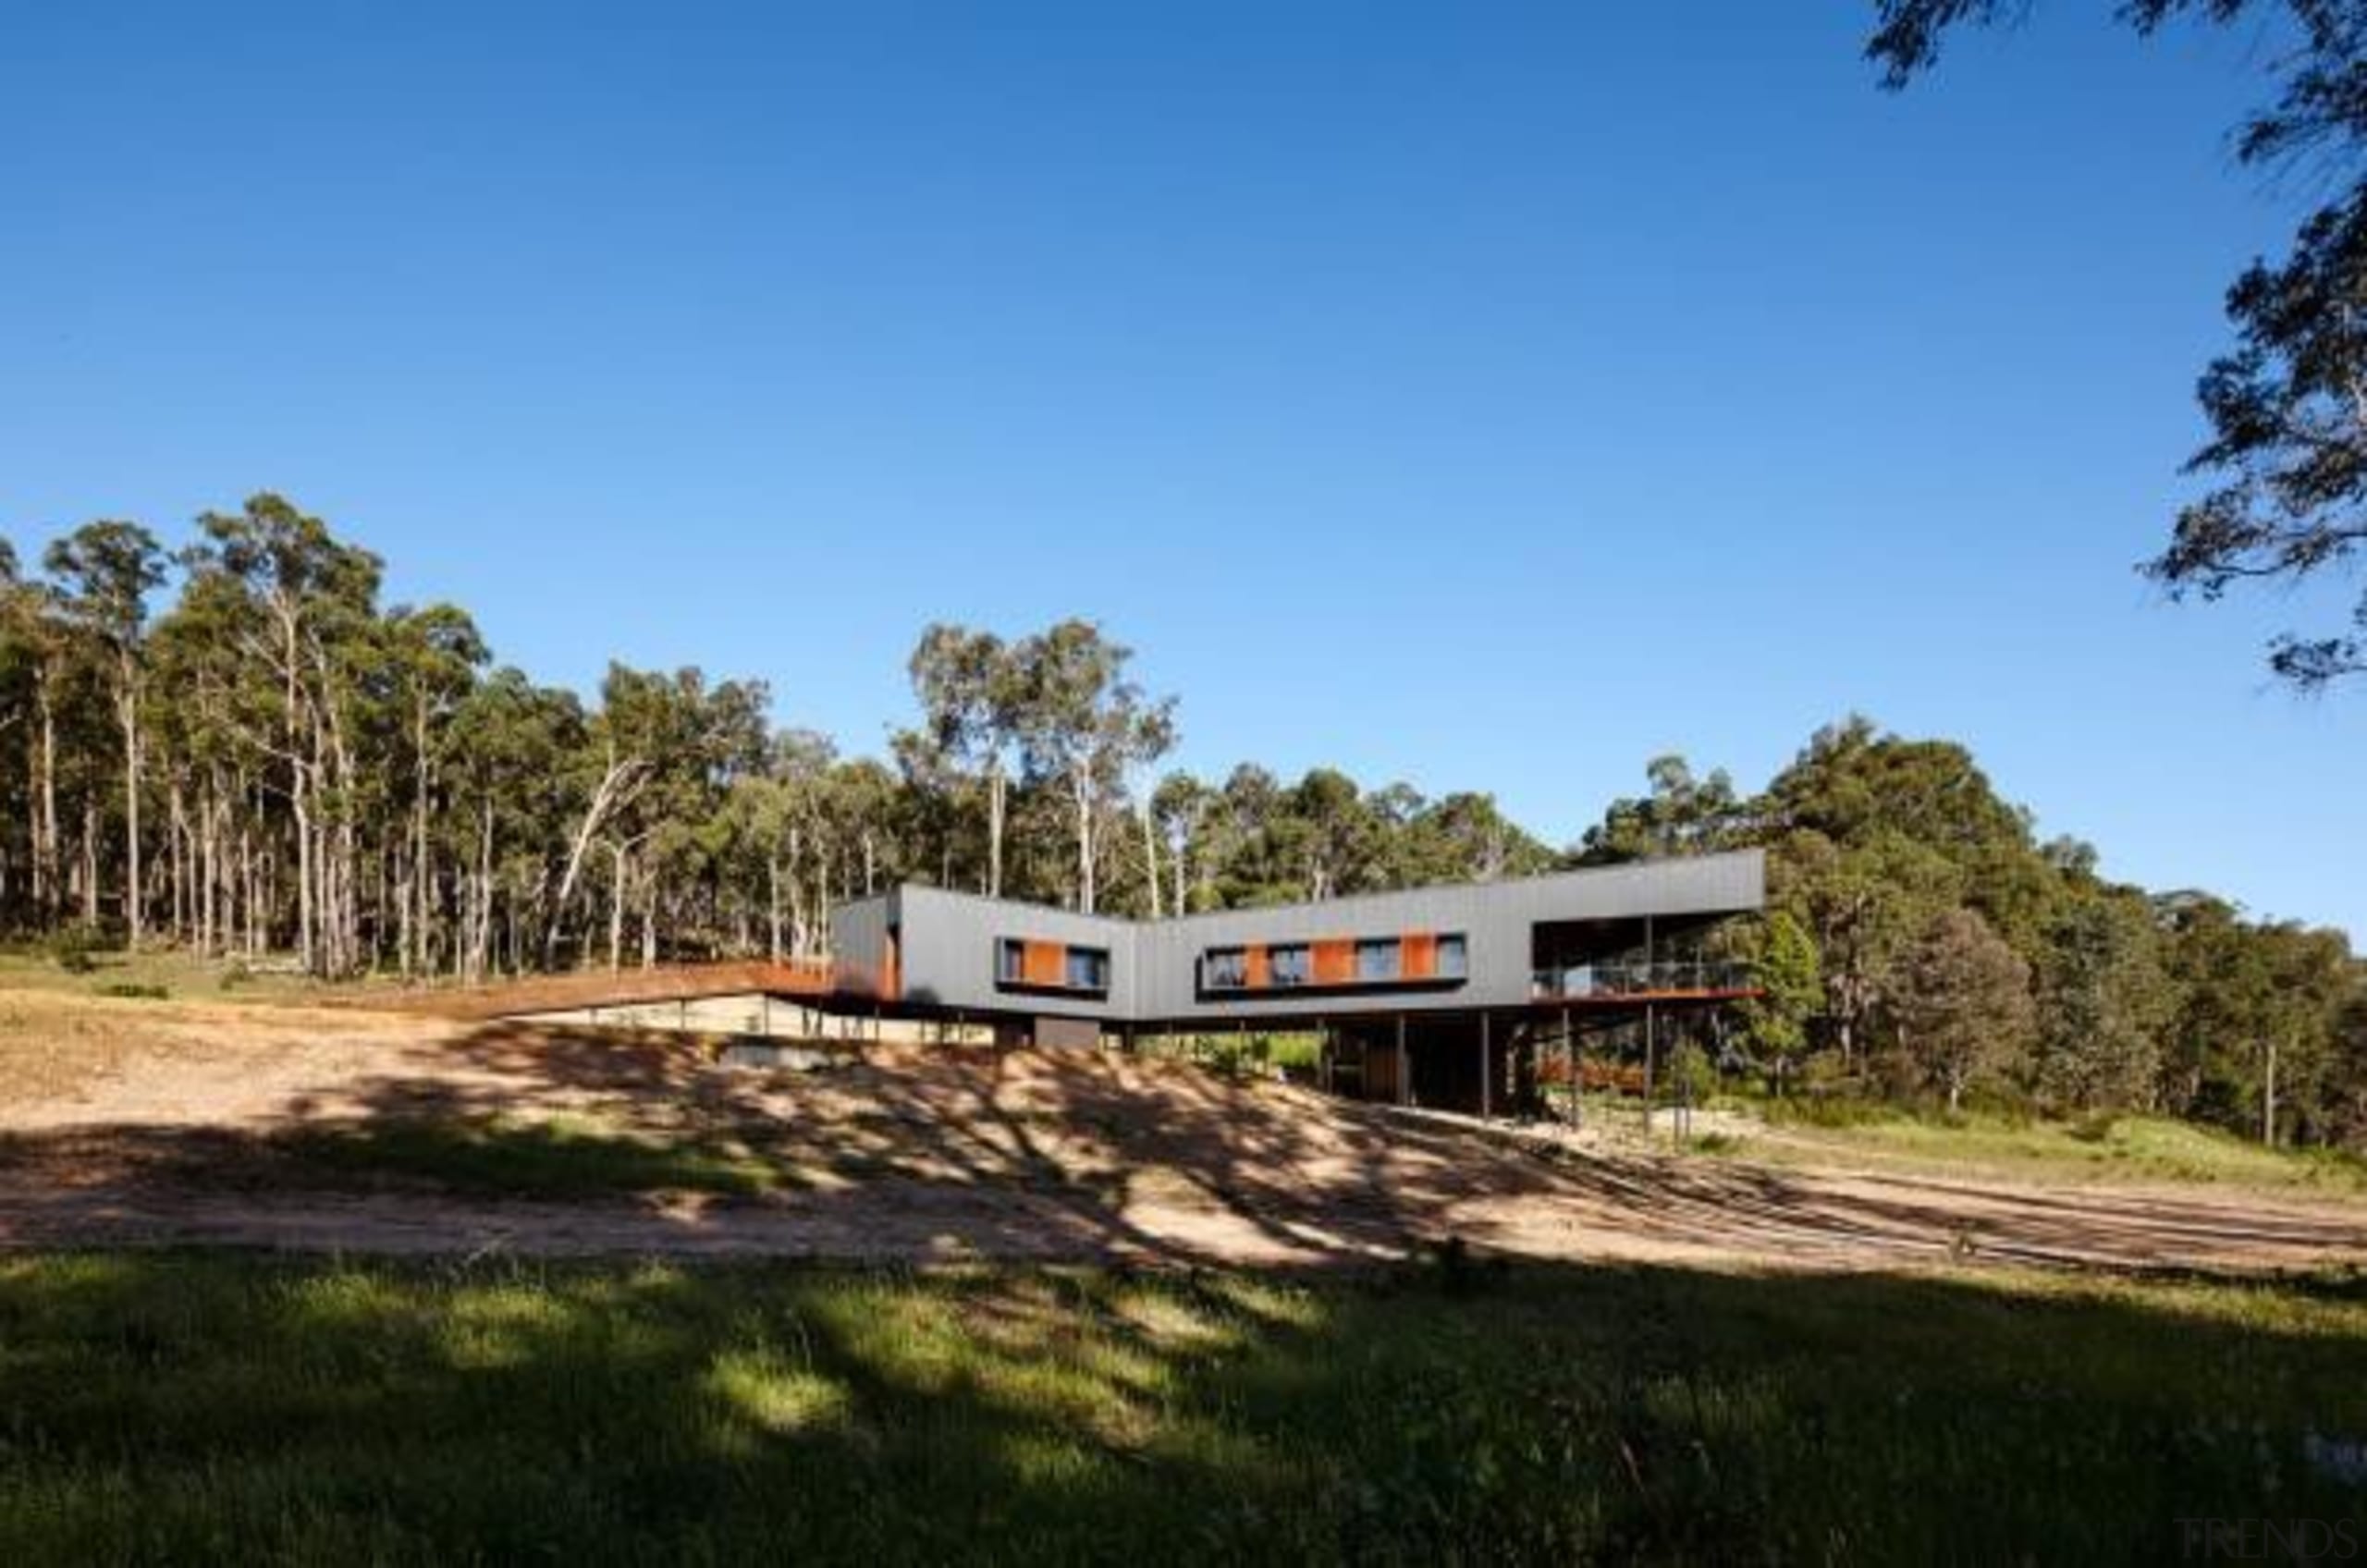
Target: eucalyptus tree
x,y
2287,405
2105,1004
1181,811
433,657
1790,991
1083,728
1465,837
1962,1002
1334,830
1680,815
300,608
972,691
35,648
104,572
515,772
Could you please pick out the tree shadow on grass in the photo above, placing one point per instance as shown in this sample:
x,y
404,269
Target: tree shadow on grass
x,y
186,1407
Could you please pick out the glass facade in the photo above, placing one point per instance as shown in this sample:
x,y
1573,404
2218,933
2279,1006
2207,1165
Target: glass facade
x,y
1365,960
1050,966
1089,969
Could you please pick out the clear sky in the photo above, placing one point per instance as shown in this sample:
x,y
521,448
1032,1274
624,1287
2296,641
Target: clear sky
x,y
1488,396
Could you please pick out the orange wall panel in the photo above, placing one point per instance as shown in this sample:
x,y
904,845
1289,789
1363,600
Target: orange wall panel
x,y
1419,955
1335,962
1045,963
1259,971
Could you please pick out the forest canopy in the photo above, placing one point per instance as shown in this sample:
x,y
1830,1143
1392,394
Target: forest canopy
x,y
235,747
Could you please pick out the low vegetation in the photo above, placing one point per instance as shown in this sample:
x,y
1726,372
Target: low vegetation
x,y
2131,1148
195,1408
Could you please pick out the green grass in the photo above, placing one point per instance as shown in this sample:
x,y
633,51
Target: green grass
x,y
150,971
2134,1148
227,1408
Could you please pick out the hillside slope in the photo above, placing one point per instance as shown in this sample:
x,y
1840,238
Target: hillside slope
x,y
332,1129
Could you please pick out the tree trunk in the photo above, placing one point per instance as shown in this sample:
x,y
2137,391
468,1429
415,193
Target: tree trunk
x,y
617,786
617,911
90,862
996,801
1081,792
2268,1098
421,873
128,710
45,867
1150,857
484,890
1180,858
300,802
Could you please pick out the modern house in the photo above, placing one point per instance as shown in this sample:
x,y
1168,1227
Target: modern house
x,y
1443,996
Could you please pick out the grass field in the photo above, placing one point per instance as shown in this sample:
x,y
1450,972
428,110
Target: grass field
x,y
2126,1148
176,972
219,1407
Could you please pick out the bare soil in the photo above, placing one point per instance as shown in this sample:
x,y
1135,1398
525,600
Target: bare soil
x,y
126,1121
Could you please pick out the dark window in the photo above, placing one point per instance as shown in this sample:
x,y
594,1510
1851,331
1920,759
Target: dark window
x,y
1288,966
1010,961
1089,969
1378,960
1224,969
1454,959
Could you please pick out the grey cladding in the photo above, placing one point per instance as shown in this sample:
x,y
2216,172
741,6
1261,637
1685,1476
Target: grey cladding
x,y
946,943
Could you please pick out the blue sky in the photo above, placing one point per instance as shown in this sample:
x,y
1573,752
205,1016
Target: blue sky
x,y
1488,396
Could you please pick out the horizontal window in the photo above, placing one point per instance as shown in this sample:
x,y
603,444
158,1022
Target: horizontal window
x,y
1050,966
1336,962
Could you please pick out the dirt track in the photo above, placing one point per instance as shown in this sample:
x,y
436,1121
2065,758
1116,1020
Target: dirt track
x,y
131,1123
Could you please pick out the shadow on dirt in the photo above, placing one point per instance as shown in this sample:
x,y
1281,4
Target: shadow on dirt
x,y
919,1153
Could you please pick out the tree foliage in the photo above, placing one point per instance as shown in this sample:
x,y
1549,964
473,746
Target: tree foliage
x,y
2287,461
240,749
1910,880
1963,1007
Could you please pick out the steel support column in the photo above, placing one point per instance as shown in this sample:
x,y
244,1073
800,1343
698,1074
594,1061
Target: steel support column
x,y
1649,1042
1404,1066
1486,1070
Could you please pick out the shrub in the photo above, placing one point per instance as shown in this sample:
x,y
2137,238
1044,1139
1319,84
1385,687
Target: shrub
x,y
1828,1110
76,947
133,991
2095,1126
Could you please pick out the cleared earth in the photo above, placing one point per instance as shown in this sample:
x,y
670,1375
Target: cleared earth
x,y
331,1128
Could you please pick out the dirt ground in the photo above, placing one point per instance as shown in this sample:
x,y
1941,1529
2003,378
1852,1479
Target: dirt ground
x,y
124,1121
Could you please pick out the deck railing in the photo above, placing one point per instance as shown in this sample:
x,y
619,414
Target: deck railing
x,y
1623,978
